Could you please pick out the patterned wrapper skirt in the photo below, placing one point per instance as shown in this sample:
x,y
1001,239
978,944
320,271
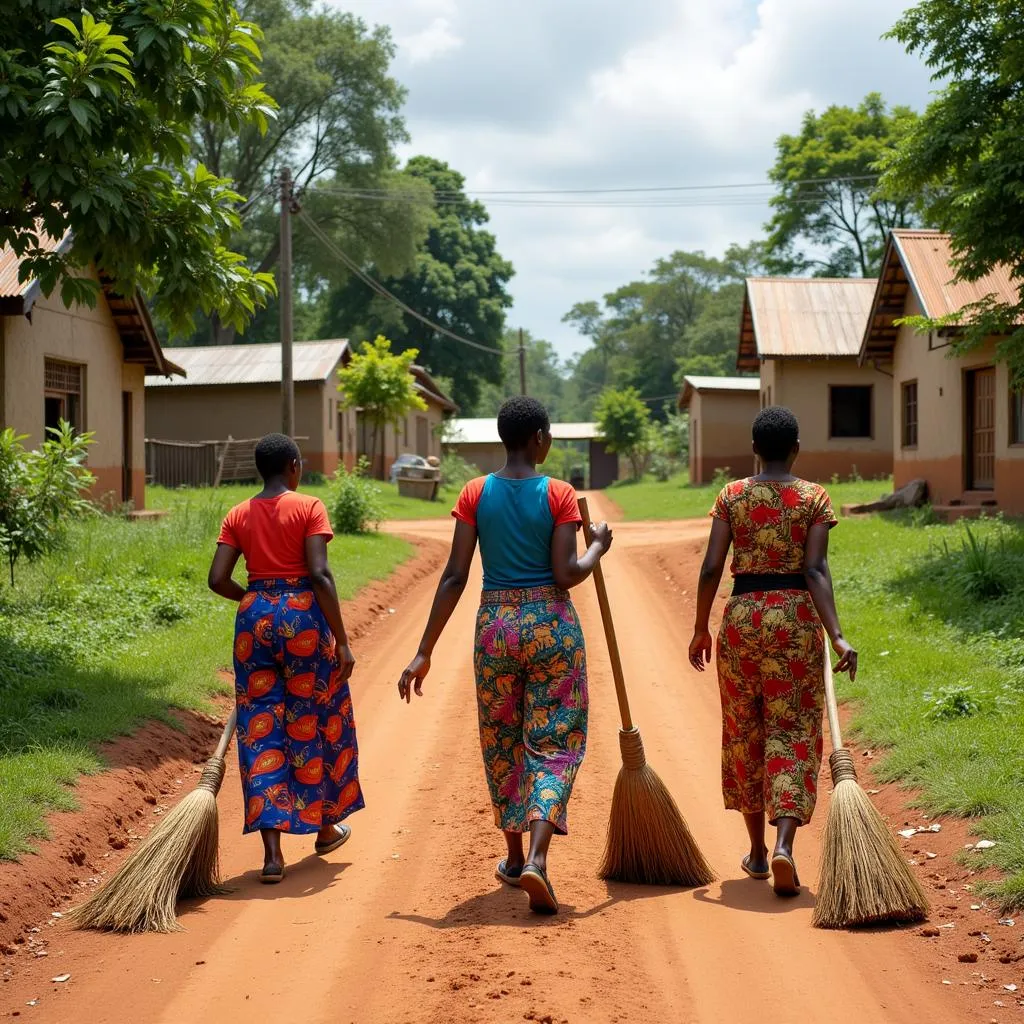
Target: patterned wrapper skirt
x,y
296,733
531,682
771,654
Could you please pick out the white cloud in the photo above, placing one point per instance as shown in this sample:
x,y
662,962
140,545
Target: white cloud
x,y
594,93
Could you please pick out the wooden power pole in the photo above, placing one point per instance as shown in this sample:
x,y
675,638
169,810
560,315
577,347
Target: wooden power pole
x,y
522,364
284,294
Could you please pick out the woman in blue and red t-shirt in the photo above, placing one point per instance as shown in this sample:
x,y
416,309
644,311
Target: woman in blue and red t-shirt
x,y
531,670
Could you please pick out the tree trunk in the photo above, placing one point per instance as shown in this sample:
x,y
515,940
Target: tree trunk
x,y
221,333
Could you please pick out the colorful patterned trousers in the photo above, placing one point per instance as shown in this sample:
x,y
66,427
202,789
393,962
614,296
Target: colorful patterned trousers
x,y
296,734
771,677
531,682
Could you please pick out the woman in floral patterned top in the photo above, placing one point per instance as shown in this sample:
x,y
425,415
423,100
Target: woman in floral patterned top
x,y
770,647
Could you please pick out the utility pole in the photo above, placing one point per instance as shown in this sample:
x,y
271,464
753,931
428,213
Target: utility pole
x,y
522,364
284,294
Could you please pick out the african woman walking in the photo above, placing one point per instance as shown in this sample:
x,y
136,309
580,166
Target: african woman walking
x,y
770,648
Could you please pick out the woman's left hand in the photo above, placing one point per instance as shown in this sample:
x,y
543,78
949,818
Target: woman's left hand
x,y
346,660
700,649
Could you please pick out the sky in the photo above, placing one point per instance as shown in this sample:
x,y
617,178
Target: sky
x,y
594,94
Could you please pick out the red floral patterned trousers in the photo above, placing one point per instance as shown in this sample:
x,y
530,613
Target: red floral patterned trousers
x,y
771,678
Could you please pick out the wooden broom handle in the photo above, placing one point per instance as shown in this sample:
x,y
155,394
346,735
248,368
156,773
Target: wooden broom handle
x,y
830,698
609,626
225,736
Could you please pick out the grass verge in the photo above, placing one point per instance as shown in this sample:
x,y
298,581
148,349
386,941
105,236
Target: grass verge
x,y
937,613
677,498
115,629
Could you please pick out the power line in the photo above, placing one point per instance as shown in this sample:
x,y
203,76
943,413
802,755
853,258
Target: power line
x,y
377,287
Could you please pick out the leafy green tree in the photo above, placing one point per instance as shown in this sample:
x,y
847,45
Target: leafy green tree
x,y
458,281
831,217
337,128
545,378
40,492
96,111
380,384
624,420
966,153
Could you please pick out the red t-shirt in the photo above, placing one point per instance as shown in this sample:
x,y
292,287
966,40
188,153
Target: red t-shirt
x,y
271,533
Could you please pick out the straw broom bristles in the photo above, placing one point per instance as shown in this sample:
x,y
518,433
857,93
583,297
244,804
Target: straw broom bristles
x,y
648,842
177,860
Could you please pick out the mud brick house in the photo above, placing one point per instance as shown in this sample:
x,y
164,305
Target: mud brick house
x,y
722,410
85,366
956,423
804,336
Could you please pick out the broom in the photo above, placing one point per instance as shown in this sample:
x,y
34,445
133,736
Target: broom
x,y
864,879
648,840
178,859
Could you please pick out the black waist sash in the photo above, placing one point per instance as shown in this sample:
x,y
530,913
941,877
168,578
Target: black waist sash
x,y
756,582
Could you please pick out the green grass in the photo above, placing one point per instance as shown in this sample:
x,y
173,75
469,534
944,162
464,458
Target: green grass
x,y
677,498
117,628
394,505
941,686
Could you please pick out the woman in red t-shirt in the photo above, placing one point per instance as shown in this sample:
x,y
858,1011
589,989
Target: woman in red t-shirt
x,y
296,734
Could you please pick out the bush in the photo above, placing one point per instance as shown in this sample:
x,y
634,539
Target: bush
x,y
951,702
354,500
722,476
979,567
456,471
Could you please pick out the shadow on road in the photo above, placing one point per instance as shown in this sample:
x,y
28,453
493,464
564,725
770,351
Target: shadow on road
x,y
745,894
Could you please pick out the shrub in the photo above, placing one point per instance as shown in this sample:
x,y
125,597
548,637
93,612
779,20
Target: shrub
x,y
951,702
456,471
354,500
721,477
979,568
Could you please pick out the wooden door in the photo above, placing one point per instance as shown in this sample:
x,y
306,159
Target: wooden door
x,y
981,429
126,447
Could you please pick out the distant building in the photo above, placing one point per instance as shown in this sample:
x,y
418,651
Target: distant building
x,y
85,366
477,441
954,420
235,391
804,336
722,410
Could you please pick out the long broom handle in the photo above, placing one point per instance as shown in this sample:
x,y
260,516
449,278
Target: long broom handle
x,y
830,699
225,736
609,626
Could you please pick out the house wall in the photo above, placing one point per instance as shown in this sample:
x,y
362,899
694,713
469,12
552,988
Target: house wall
x,y
89,338
802,385
404,440
939,454
488,458
722,420
213,413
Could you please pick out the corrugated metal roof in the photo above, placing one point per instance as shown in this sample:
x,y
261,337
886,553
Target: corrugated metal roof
x,y
252,364
723,385
808,318
928,261
485,431
10,265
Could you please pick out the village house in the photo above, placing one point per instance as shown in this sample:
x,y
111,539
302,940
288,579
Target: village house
x,y
721,410
956,422
235,391
804,336
85,366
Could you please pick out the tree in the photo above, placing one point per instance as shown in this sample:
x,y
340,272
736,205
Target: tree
x,y
458,281
95,115
380,384
337,128
40,491
545,379
831,218
966,153
624,419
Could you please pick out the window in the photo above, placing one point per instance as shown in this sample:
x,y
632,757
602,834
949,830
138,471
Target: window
x,y
1017,417
850,411
63,391
908,414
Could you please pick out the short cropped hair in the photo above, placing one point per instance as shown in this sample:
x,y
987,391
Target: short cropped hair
x,y
776,433
274,453
519,418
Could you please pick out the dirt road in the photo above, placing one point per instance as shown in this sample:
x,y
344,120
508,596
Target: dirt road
x,y
406,924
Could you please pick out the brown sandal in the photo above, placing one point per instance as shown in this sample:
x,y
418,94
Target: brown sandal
x,y
784,878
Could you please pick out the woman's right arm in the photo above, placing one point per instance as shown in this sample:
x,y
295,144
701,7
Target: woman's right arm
x,y
819,583
446,599
569,569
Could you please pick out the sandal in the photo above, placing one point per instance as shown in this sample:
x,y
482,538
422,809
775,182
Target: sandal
x,y
344,833
784,878
510,876
272,877
536,885
760,876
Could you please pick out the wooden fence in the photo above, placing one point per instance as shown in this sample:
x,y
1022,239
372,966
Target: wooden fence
x,y
201,463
